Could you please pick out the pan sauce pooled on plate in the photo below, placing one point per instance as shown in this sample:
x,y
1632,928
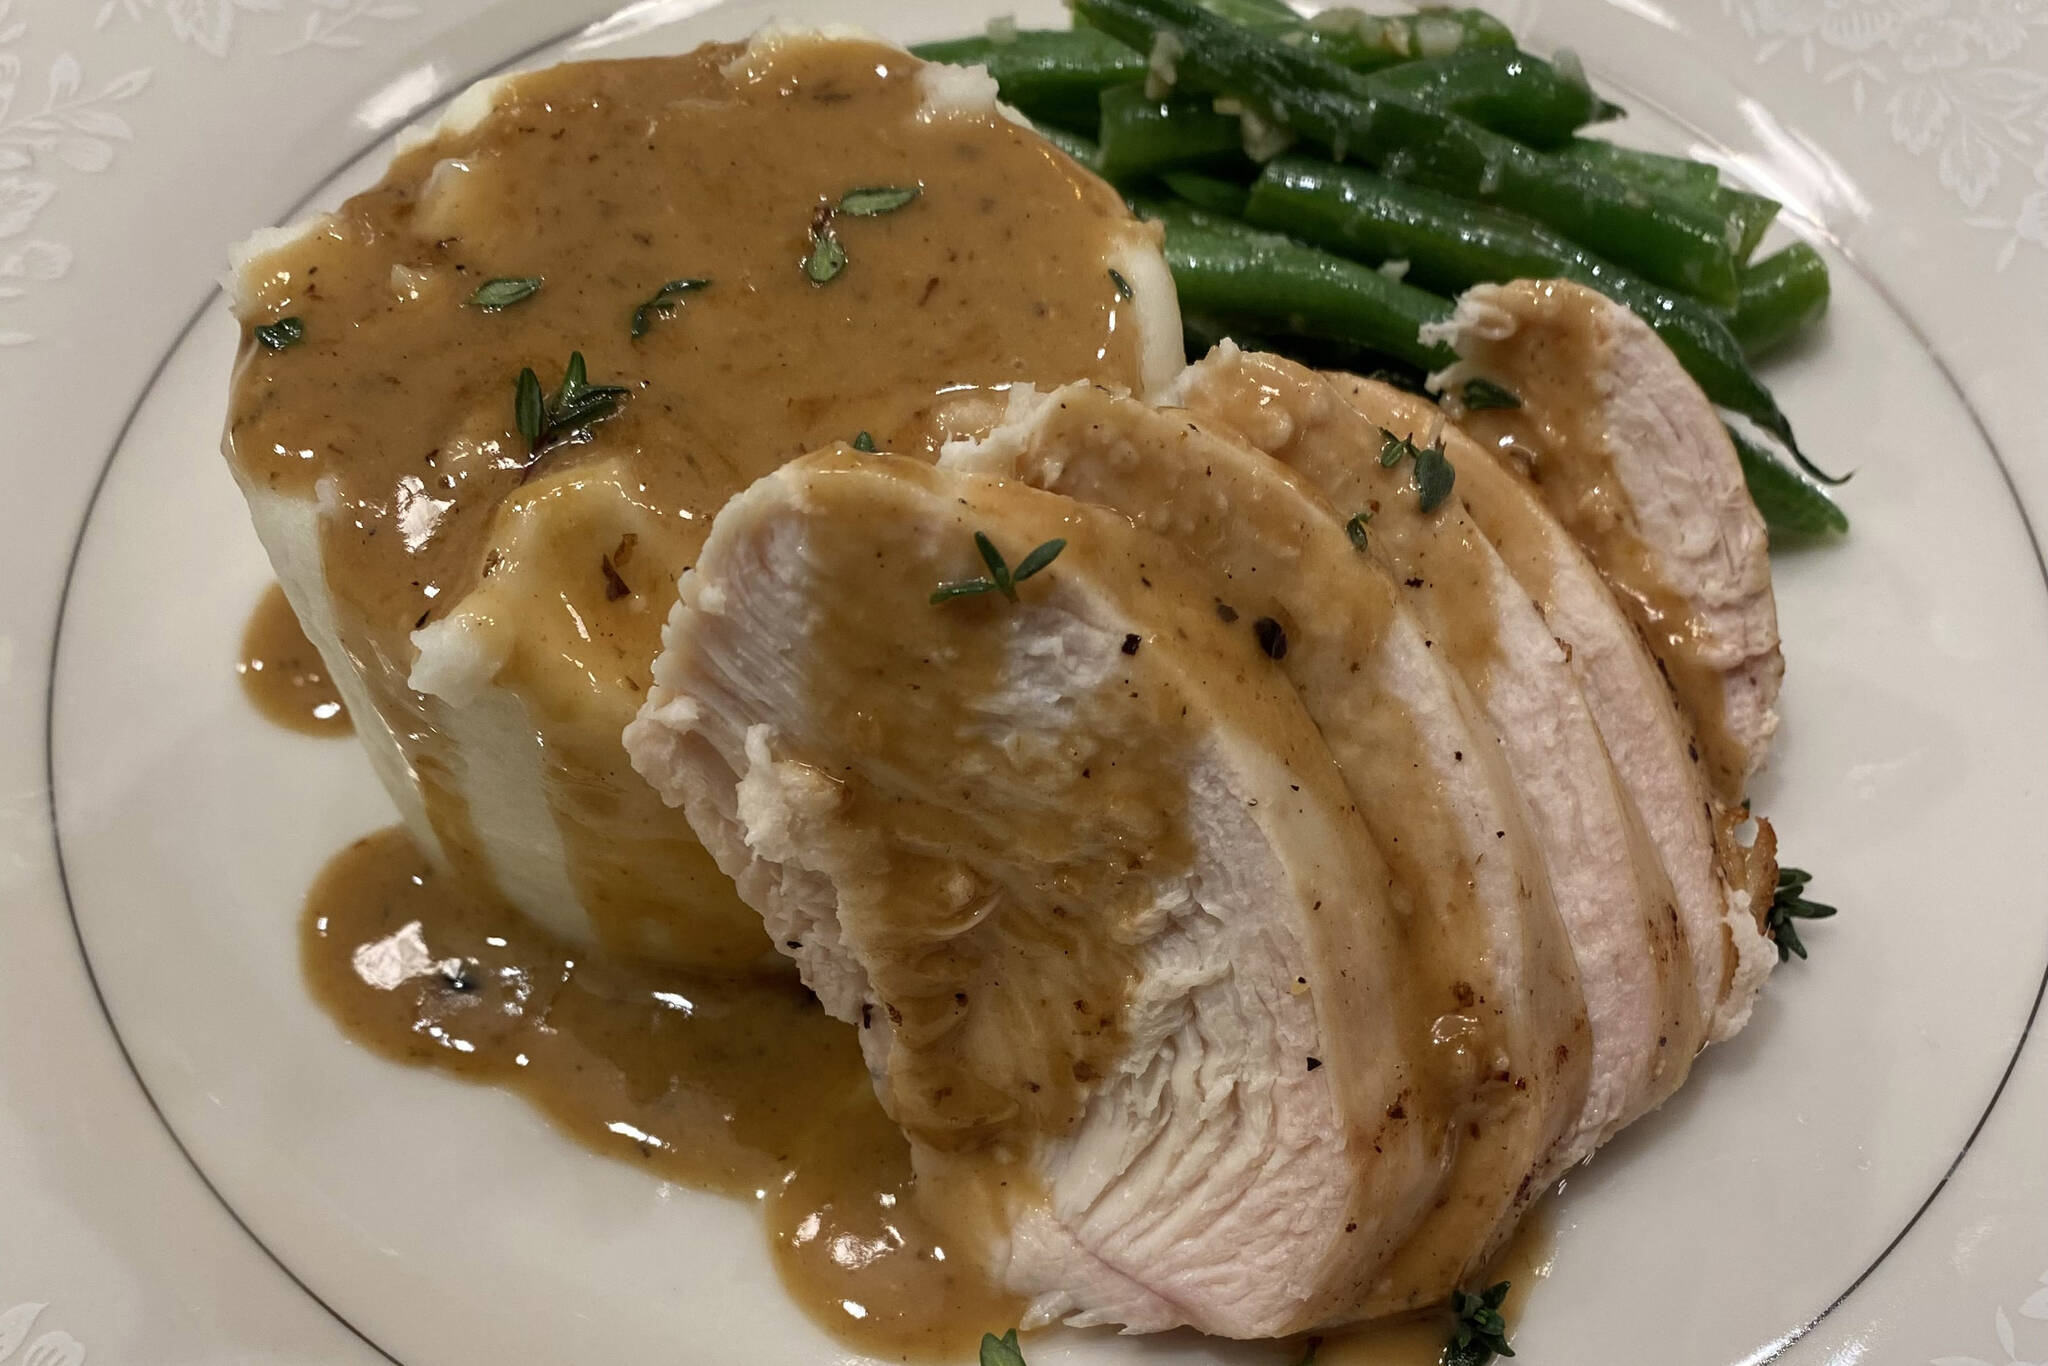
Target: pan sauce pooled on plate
x,y
1252,845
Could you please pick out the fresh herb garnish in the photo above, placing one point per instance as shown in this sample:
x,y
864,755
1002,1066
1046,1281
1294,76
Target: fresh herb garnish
x,y
567,417
1482,394
863,442
1123,286
504,292
1355,529
1433,473
529,409
1001,1351
663,303
1790,904
1481,1333
283,333
827,257
871,201
1000,577
1433,477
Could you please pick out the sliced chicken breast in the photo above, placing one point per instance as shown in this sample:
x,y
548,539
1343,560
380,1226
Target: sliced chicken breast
x,y
1648,739
1635,968
1472,900
1081,870
1631,456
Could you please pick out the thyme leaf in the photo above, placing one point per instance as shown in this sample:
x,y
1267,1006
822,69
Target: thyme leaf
x,y
1788,905
871,201
1123,286
998,569
529,408
1039,559
1355,529
864,442
1433,477
504,292
1481,1334
827,257
963,588
663,303
1482,394
282,334
1394,448
1001,1351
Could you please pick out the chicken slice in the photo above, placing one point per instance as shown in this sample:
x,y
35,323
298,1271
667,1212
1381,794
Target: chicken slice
x,y
1469,889
1083,873
1634,966
1647,738
1632,458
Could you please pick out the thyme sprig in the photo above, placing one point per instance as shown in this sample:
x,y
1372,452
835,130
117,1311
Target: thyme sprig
x,y
1481,1334
1788,905
565,419
1000,578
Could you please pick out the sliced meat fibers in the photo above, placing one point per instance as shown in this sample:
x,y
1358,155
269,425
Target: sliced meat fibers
x,y
1648,739
1635,968
1083,872
1634,460
1469,889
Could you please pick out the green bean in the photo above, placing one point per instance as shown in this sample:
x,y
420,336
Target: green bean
x,y
1749,217
1650,170
1367,42
1451,245
1141,135
1343,112
1269,15
1053,75
1074,145
1790,503
1781,295
1200,335
1229,270
1210,193
1693,184
1503,89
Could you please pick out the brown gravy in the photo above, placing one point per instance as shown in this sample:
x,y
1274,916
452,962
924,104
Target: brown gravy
x,y
604,180
283,675
744,1088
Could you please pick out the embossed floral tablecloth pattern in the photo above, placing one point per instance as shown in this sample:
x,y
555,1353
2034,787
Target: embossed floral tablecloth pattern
x,y
111,111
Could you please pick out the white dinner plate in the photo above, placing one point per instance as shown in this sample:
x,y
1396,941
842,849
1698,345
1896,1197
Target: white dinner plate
x,y
196,1167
